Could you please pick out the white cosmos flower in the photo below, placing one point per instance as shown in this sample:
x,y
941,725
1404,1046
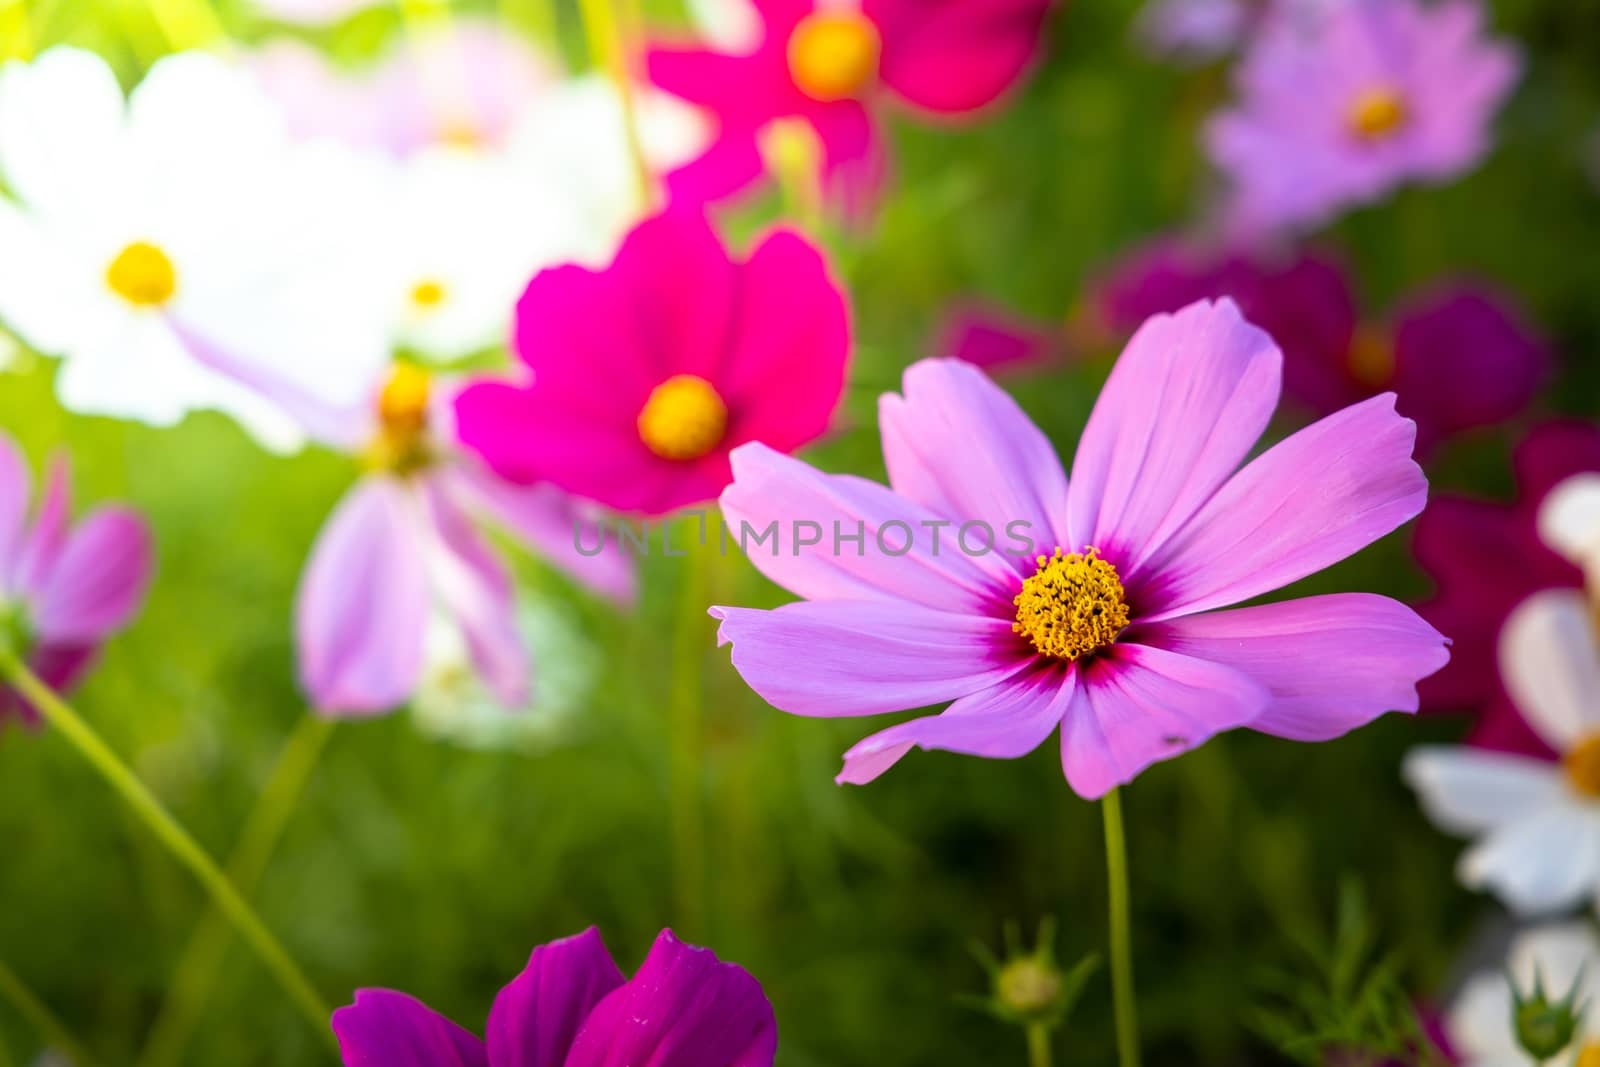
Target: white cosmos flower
x,y
1535,824
1569,522
181,205
1479,1022
727,25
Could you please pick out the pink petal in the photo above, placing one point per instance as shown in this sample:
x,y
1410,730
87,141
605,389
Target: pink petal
x,y
684,1008
16,489
364,601
953,56
1138,705
41,547
994,340
1185,403
473,586
388,1029
1307,503
537,1016
960,446
99,579
855,159
837,658
1005,721
729,165
1331,663
774,490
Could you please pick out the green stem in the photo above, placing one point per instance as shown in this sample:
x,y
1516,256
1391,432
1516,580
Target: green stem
x,y
197,968
609,49
1038,1045
686,711
36,1013
1121,932
177,840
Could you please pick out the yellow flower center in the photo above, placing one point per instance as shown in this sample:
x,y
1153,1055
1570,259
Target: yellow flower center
x,y
1377,113
142,274
402,441
1371,357
1583,770
428,294
1073,606
1588,1056
833,55
684,418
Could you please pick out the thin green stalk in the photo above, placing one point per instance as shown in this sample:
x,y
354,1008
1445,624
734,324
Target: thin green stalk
x,y
609,49
686,723
1121,932
77,732
1038,1045
38,1015
197,968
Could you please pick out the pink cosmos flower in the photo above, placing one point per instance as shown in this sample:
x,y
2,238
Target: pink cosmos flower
x,y
571,1007
1464,545
63,588
647,375
403,548
829,65
1096,613
1374,94
1457,356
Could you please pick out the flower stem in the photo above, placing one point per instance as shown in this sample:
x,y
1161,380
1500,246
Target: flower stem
x,y
1121,932
609,48
177,840
34,1010
687,725
196,972
1038,1045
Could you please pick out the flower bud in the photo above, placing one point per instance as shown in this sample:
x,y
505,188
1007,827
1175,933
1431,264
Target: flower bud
x,y
1544,1028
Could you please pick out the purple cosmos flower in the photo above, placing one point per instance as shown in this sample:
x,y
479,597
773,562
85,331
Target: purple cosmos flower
x,y
572,1007
646,374
1095,611
1373,94
63,588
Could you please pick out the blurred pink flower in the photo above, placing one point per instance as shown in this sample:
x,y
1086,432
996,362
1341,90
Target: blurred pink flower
x,y
1465,545
1336,114
63,589
1457,357
647,374
1113,638
830,65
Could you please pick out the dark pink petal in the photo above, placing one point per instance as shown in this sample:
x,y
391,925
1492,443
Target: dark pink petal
x,y
16,489
537,1016
855,160
783,369
472,585
363,604
957,444
41,546
865,657
684,1008
99,579
777,491
1185,403
1307,503
388,1029
1331,663
742,92
731,164
1005,721
954,56
997,341
1136,705
57,666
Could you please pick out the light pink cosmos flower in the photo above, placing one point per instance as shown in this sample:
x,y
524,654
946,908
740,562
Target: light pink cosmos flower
x,y
403,548
1375,94
63,588
1094,610
647,374
829,65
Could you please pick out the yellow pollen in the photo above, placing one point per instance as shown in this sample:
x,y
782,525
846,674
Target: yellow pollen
x,y
833,55
1073,606
428,294
460,133
1371,357
142,274
1583,770
401,444
1377,113
684,418
1589,1056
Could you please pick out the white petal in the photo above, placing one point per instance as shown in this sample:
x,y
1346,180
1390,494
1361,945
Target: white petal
x,y
61,132
1550,662
728,25
1569,520
1470,790
1545,863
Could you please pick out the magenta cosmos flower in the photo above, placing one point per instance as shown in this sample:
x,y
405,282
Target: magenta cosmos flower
x,y
647,374
1094,610
63,588
1457,356
1485,558
572,1007
1338,112
828,65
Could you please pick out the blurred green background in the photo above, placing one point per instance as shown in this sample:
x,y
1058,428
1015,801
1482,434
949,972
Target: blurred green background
x,y
434,868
